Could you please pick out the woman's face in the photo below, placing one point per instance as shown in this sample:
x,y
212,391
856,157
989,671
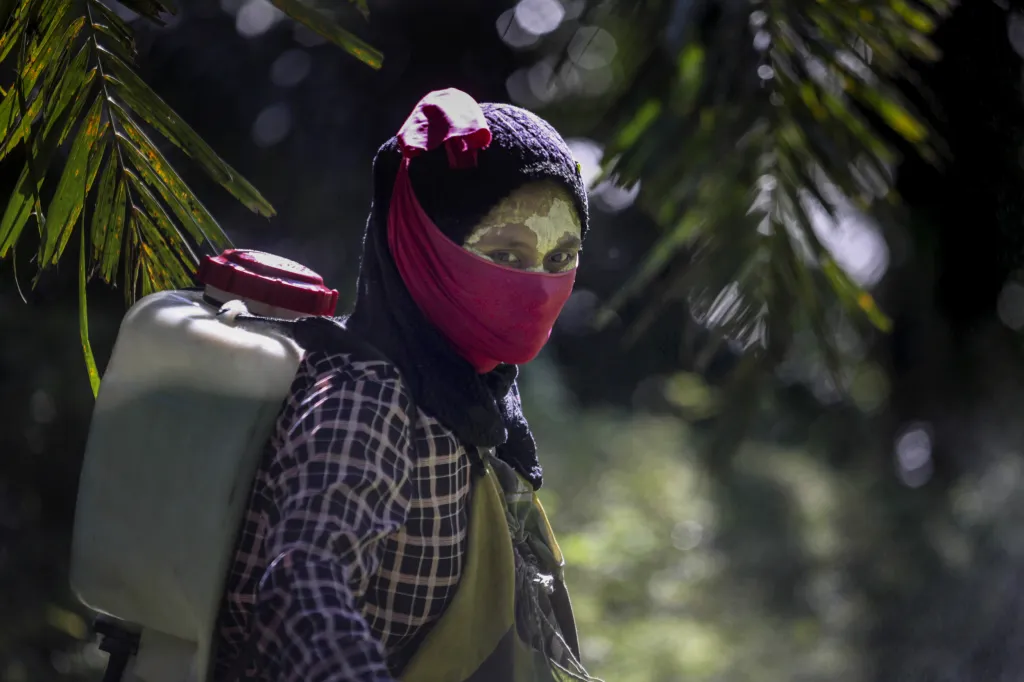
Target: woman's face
x,y
536,228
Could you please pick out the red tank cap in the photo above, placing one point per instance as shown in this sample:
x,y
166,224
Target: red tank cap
x,y
269,279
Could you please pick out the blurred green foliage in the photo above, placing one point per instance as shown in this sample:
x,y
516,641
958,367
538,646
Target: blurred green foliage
x,y
787,567
744,120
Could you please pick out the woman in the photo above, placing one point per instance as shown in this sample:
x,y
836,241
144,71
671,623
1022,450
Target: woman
x,y
393,532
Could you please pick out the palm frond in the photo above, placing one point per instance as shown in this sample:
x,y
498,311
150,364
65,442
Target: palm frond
x,y
746,122
327,17
75,82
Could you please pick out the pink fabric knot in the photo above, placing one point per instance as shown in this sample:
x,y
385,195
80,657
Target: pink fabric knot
x,y
449,117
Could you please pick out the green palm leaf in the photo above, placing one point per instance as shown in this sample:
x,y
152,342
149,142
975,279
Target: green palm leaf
x,y
326,18
744,124
73,61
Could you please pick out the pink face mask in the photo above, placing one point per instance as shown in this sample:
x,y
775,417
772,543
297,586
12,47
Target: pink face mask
x,y
491,314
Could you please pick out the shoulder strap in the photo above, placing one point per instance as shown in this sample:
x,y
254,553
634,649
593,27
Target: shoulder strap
x,y
319,334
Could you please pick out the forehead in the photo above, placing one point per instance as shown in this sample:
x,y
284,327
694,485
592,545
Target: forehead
x,y
547,200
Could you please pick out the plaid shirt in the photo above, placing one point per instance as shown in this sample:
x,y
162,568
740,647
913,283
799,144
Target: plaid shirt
x,y
351,542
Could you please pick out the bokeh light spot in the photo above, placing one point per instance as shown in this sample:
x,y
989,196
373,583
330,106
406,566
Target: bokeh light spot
x,y
512,32
256,17
291,68
272,125
592,47
1010,306
539,17
914,455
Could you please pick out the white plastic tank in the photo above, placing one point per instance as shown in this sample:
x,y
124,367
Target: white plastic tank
x,y
187,403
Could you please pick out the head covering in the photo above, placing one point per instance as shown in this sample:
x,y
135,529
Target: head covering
x,y
490,313
481,409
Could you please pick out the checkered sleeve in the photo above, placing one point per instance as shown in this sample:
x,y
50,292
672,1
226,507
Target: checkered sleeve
x,y
342,484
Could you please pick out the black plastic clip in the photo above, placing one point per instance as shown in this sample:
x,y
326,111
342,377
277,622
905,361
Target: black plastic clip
x,y
120,644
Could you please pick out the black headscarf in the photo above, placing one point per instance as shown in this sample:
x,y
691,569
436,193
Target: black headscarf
x,y
481,409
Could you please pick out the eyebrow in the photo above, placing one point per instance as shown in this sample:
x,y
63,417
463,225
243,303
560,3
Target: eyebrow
x,y
567,241
517,244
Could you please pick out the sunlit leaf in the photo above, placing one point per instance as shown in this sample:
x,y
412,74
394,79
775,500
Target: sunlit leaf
x,y
103,209
154,249
55,19
854,296
21,206
691,74
113,232
96,153
177,249
21,106
141,99
118,35
645,116
68,199
159,174
17,213
73,93
13,33
306,14
900,119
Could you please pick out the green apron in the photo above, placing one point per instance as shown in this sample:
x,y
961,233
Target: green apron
x,y
510,619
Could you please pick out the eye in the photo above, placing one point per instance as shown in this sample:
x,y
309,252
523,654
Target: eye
x,y
561,259
504,257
